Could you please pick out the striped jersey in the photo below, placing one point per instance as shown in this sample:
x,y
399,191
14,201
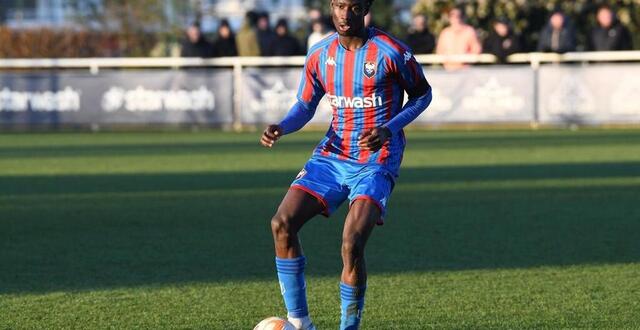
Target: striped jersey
x,y
365,88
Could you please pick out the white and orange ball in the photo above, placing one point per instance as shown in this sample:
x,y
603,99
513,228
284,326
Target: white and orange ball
x,y
274,323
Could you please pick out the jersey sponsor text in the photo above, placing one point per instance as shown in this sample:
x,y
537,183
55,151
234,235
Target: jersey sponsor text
x,y
355,102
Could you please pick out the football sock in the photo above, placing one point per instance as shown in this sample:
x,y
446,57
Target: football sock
x,y
292,285
352,304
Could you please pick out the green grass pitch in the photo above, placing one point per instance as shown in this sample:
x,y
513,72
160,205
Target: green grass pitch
x,y
485,229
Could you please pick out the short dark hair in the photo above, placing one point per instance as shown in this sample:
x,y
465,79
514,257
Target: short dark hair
x,y
282,22
605,6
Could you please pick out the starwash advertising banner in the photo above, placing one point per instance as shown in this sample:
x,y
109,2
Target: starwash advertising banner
x,y
495,94
117,97
480,95
269,93
605,93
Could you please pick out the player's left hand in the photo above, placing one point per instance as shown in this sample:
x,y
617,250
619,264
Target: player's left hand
x,y
373,139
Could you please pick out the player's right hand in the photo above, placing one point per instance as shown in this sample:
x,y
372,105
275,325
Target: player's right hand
x,y
270,135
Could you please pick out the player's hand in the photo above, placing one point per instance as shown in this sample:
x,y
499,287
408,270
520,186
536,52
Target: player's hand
x,y
270,135
373,139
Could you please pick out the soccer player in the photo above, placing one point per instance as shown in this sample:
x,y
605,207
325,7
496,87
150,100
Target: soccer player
x,y
364,73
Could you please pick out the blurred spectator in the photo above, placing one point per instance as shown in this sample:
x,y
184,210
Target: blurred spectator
x,y
419,39
315,14
285,44
225,44
458,38
195,44
247,40
609,34
110,45
165,48
265,36
502,41
558,36
319,31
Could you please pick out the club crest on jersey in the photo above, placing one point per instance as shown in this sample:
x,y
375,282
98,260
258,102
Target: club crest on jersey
x,y
369,69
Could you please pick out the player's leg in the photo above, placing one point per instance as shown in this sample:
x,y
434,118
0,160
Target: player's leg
x,y
361,219
296,209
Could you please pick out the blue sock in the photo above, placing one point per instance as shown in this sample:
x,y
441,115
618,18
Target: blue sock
x,y
352,306
292,285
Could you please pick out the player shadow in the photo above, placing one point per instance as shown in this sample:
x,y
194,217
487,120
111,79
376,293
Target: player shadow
x,y
91,232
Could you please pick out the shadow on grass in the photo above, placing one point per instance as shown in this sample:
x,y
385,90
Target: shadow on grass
x,y
70,184
130,230
306,142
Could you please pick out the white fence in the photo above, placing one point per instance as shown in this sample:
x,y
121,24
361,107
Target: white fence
x,y
587,87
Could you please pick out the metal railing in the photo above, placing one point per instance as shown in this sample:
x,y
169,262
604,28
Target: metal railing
x,y
95,64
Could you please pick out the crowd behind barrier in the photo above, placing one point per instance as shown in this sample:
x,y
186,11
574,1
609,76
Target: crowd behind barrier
x,y
558,35
600,30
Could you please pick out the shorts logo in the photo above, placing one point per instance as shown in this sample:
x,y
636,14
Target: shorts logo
x,y
301,174
369,69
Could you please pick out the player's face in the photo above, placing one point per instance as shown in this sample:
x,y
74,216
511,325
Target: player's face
x,y
348,16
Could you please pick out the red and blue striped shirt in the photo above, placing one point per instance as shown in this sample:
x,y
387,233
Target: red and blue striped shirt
x,y
365,88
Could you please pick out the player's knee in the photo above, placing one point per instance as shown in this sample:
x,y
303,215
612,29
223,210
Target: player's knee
x,y
352,247
280,227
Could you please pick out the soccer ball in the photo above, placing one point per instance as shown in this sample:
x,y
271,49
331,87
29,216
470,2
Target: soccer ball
x,y
274,323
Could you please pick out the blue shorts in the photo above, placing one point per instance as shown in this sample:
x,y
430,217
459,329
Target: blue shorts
x,y
332,181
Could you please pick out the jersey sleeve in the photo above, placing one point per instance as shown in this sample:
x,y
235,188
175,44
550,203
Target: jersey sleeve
x,y
311,89
411,78
409,73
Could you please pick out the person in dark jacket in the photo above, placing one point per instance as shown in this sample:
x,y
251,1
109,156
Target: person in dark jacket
x,y
558,36
610,34
502,41
225,44
419,39
264,34
285,44
195,44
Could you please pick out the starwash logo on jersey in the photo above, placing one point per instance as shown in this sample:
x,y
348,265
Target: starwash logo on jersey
x,y
355,102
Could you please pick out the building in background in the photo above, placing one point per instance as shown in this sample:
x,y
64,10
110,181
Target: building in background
x,y
235,10
62,13
43,13
18,14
